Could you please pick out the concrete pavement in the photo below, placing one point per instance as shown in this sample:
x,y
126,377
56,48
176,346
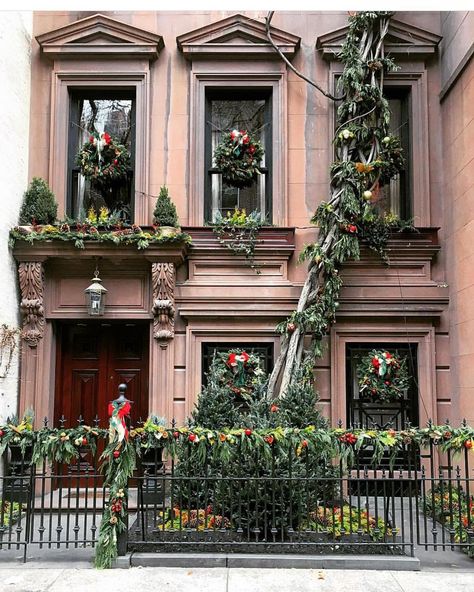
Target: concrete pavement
x,y
34,579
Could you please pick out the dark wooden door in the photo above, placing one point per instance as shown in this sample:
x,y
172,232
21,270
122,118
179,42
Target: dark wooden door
x,y
93,359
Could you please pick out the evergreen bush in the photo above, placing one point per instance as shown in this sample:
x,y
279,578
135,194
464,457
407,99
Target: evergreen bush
x,y
39,204
165,211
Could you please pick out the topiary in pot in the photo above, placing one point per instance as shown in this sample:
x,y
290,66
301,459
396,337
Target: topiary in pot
x,y
39,204
165,214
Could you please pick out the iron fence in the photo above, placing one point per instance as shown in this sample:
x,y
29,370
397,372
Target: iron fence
x,y
284,504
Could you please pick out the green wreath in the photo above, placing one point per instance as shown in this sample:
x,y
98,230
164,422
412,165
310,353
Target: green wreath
x,y
242,371
102,159
238,157
382,376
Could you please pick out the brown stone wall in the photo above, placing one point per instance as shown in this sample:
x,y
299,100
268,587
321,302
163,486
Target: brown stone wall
x,y
458,130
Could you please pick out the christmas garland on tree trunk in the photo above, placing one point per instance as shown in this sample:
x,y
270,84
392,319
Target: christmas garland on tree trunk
x,y
367,157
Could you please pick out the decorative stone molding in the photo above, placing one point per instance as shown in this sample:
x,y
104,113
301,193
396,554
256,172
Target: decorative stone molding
x,y
236,37
99,36
31,275
403,41
163,279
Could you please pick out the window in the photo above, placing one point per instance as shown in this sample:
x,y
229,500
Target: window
x,y
249,110
98,111
264,351
395,414
396,196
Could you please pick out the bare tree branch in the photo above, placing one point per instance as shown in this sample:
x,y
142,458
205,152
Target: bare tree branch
x,y
268,20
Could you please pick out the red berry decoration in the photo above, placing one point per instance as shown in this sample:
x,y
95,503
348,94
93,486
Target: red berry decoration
x,y
248,432
274,408
447,435
84,441
269,439
291,327
304,444
176,435
1,433
469,444
192,437
116,453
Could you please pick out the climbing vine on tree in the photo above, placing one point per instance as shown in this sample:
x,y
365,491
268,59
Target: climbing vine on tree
x,y
367,156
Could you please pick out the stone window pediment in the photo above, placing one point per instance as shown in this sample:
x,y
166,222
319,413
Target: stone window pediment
x,y
100,36
238,37
403,40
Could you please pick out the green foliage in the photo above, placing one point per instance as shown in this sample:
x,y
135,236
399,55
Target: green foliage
x,y
103,160
165,211
39,204
382,376
238,157
238,232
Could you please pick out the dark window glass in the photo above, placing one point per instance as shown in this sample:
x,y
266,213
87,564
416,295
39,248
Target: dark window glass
x,y
264,351
114,113
250,111
395,197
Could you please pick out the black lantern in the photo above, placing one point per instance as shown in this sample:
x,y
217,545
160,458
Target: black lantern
x,y
95,296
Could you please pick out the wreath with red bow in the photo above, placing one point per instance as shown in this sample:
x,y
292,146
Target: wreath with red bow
x,y
382,376
243,370
238,157
102,159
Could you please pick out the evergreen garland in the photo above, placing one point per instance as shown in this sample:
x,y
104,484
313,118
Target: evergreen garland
x,y
367,157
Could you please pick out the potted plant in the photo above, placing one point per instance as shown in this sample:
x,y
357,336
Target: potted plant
x,y
39,204
165,215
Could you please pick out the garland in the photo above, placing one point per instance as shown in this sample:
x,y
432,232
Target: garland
x,y
382,376
238,232
119,462
238,156
103,160
81,232
367,156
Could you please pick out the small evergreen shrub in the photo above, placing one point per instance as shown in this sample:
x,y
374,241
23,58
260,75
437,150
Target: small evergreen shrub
x,y
165,211
39,204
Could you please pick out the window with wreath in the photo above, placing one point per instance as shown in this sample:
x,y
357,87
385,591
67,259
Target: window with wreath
x,y
101,152
249,113
264,351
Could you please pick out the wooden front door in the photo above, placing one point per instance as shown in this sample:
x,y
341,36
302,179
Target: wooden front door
x,y
92,360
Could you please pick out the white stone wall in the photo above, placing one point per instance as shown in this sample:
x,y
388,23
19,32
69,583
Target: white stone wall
x,y
15,74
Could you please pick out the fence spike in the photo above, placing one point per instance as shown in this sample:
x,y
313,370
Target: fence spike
x,y
45,422
80,420
96,421
62,421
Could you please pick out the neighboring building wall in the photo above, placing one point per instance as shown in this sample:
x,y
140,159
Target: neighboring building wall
x,y
458,165
15,75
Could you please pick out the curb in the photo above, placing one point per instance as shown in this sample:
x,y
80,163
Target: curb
x,y
208,560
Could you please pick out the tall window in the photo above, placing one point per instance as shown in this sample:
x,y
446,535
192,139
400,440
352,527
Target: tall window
x,y
95,111
396,196
248,110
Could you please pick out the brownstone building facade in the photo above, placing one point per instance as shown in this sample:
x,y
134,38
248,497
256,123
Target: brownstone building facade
x,y
177,79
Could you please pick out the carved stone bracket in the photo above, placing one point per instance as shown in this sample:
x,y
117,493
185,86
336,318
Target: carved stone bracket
x,y
31,275
163,282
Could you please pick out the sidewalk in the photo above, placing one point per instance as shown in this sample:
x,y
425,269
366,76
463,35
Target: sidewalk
x,y
34,579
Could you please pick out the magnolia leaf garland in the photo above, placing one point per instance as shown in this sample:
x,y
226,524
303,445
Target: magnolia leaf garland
x,y
382,376
102,159
238,156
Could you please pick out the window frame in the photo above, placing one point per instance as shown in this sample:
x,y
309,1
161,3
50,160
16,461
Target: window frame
x,y
75,96
412,79
264,76
238,94
65,84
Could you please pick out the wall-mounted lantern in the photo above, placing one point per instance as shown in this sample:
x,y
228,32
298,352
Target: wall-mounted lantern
x,y
95,296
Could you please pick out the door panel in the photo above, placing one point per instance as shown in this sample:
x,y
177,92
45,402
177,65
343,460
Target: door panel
x,y
93,360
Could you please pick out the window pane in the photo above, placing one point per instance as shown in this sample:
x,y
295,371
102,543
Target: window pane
x,y
113,116
227,115
394,196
